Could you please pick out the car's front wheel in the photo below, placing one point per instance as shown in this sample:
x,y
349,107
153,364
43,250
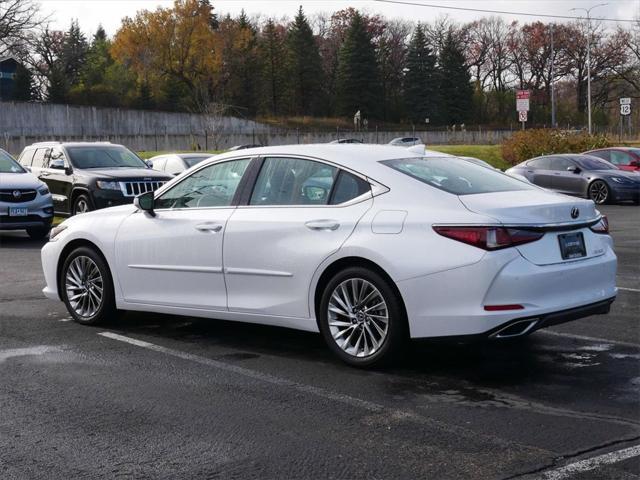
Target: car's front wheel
x,y
81,204
599,192
87,287
361,317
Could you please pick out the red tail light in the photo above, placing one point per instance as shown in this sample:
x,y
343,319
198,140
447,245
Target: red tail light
x,y
489,238
602,226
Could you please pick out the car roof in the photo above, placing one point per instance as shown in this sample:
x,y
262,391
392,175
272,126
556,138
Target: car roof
x,y
72,144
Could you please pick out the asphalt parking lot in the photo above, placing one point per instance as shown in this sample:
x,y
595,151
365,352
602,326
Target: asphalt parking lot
x,y
157,396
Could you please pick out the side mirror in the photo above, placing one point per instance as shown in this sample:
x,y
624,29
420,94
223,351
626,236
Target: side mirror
x,y
634,163
28,169
57,163
149,163
145,202
574,169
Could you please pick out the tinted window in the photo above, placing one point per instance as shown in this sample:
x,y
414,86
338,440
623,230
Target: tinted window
x,y
293,181
104,156
456,176
39,158
191,161
543,163
620,158
8,164
212,186
561,163
592,163
348,187
26,157
635,150
603,154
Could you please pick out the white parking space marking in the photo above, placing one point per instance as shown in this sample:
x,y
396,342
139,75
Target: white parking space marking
x,y
627,289
265,377
592,463
590,339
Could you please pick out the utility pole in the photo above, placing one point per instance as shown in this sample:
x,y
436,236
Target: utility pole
x,y
553,83
588,10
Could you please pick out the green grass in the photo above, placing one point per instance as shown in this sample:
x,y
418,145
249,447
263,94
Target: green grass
x,y
489,153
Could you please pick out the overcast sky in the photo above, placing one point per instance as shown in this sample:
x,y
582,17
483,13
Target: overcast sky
x,y
91,13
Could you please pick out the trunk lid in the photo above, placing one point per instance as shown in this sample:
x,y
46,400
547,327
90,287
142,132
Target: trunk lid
x,y
533,208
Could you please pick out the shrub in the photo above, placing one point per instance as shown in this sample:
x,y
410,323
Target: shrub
x,y
527,144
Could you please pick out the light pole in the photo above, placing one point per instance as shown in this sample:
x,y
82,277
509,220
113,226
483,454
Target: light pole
x,y
588,10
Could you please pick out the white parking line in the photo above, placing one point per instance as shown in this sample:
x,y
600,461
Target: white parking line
x,y
592,463
589,339
265,377
627,289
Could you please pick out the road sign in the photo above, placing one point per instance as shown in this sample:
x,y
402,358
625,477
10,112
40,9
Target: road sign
x,y
522,115
625,109
625,101
522,100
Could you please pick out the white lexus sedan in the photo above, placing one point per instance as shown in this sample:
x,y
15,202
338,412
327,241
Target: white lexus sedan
x,y
368,245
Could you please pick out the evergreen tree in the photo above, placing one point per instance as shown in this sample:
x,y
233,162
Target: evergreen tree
x,y
74,52
143,99
421,82
305,67
357,80
272,52
58,88
23,87
455,85
245,68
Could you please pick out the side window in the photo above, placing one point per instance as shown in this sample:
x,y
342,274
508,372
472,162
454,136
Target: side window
x,y
561,164
604,154
174,165
160,163
542,163
26,157
39,159
293,181
620,158
348,187
212,186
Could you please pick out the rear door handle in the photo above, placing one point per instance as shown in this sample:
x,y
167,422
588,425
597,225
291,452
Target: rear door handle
x,y
208,227
322,225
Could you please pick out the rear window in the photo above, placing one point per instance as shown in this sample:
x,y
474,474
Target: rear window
x,y
456,176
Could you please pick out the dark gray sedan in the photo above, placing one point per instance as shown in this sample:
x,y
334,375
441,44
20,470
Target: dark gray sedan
x,y
582,175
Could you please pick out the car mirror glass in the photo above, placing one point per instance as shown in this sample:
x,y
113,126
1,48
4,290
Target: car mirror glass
x,y
145,202
57,164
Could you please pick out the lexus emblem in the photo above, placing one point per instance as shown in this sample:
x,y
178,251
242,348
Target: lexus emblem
x,y
17,194
575,213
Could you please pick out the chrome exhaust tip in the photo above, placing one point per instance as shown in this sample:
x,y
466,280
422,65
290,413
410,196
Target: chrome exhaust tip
x,y
516,329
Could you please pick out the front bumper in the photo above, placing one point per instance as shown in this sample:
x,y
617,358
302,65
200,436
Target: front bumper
x,y
109,198
39,214
451,303
621,192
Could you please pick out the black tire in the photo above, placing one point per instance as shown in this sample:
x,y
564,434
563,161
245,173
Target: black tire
x,y
106,310
396,334
38,233
599,192
81,204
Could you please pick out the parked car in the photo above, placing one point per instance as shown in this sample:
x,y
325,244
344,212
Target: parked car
x,y
347,140
176,163
405,141
625,158
244,147
582,175
25,202
477,161
396,245
87,176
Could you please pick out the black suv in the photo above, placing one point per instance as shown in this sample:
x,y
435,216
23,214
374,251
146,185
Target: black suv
x,y
87,176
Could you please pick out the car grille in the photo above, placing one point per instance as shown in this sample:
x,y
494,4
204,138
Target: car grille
x,y
9,195
131,189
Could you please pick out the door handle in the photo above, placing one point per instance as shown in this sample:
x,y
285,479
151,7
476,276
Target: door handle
x,y
322,225
208,227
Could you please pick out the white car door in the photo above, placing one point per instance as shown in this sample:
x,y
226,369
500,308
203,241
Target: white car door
x,y
175,258
274,244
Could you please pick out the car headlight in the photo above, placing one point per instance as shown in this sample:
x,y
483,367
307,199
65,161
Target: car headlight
x,y
44,191
55,231
621,180
107,185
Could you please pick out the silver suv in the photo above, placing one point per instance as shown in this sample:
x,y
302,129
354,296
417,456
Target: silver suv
x,y
25,201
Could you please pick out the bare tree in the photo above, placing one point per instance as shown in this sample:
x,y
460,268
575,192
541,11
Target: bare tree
x,y
17,19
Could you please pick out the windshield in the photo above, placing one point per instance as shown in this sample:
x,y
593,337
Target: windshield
x,y
191,161
8,164
457,176
594,163
104,156
635,150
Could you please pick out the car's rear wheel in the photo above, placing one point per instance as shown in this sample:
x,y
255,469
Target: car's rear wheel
x,y
38,233
81,204
599,192
87,287
361,317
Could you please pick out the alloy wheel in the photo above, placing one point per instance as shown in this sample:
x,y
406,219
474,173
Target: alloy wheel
x,y
82,206
84,286
599,192
358,317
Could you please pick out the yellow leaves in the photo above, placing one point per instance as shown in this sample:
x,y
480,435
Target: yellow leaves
x,y
173,42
